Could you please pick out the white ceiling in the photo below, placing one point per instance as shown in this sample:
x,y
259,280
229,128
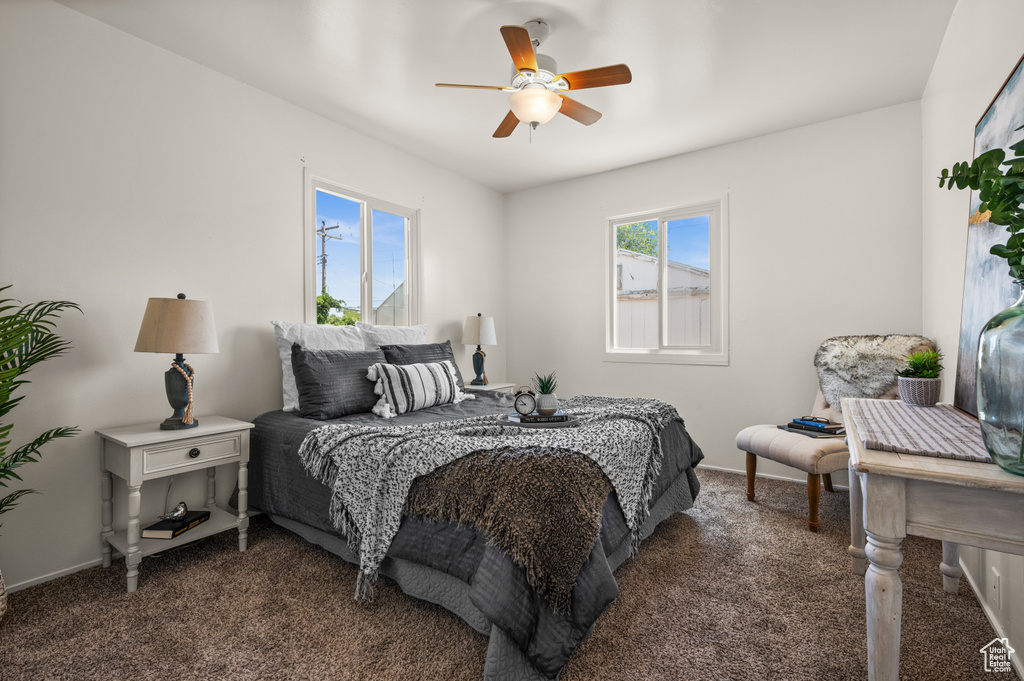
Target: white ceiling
x,y
705,72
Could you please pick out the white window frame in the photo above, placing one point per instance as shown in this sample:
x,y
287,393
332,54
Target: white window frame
x,y
368,203
717,353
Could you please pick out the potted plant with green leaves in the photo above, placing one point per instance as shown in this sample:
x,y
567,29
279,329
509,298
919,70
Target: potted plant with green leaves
x,y
919,382
1000,185
26,338
547,401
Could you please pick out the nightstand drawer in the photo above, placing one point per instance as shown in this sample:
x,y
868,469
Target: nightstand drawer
x,y
182,456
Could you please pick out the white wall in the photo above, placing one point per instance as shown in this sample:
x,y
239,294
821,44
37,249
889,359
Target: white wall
x,y
975,58
825,240
128,172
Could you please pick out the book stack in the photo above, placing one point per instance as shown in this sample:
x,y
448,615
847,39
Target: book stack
x,y
558,417
815,427
169,529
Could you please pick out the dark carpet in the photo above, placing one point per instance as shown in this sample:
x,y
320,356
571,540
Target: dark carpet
x,y
731,590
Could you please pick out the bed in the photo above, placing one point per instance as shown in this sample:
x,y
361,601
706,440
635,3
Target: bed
x,y
454,565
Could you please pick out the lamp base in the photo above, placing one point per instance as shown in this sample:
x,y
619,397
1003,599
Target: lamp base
x,y
177,396
478,367
172,423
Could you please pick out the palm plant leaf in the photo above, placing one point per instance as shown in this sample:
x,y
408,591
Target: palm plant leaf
x,y
30,452
8,502
27,338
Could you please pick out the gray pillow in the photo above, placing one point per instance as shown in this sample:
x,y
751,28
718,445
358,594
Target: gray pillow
x,y
333,383
311,337
424,353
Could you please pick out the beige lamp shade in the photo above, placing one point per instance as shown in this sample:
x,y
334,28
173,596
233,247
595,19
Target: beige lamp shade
x,y
479,330
177,325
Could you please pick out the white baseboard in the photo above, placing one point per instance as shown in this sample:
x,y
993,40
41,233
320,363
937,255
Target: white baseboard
x,y
997,625
53,575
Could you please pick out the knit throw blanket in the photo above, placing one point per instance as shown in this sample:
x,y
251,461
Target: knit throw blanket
x,y
541,506
370,469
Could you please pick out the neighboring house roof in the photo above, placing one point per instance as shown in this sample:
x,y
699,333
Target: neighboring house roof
x,y
643,257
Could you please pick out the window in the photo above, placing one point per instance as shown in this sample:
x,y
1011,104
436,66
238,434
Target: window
x,y
361,257
667,281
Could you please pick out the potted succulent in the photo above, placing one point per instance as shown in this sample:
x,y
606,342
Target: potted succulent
x,y
919,381
547,401
26,338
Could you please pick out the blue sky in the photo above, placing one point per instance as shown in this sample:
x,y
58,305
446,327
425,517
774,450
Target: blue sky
x,y
688,241
343,257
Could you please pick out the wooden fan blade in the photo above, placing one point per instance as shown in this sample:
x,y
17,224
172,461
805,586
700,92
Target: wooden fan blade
x,y
508,125
578,112
473,87
618,74
517,39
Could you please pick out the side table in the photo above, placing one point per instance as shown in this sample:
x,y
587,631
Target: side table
x,y
494,387
144,452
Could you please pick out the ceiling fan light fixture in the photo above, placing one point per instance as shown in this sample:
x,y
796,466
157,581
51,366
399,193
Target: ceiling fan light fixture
x,y
534,104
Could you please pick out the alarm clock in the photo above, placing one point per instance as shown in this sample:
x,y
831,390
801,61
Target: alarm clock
x,y
525,402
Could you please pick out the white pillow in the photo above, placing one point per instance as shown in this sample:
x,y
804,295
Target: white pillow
x,y
410,387
310,337
378,335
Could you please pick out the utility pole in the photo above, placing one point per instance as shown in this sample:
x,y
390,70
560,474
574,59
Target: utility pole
x,y
324,236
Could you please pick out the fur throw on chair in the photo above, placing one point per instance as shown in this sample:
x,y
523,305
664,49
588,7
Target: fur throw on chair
x,y
864,366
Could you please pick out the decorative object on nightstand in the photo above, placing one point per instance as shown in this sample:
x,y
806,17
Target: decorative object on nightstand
x,y
170,527
177,325
26,338
547,401
525,401
137,454
919,382
479,330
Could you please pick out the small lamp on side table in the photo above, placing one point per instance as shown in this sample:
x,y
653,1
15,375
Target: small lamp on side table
x,y
479,330
177,326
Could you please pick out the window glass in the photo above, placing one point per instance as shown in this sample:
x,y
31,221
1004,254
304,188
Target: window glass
x,y
636,264
338,259
389,306
689,281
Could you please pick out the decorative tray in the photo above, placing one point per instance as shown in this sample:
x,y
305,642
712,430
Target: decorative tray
x,y
571,422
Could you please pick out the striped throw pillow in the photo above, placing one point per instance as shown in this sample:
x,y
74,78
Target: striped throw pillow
x,y
409,387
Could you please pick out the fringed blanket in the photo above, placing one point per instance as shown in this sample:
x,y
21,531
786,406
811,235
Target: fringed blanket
x,y
370,469
540,506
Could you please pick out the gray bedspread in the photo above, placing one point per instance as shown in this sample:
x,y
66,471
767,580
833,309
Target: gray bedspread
x,y
455,566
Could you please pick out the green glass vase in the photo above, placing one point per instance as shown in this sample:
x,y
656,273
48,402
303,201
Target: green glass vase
x,y
1001,386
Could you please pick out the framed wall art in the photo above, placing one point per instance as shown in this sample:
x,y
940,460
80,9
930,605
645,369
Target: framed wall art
x,y
987,284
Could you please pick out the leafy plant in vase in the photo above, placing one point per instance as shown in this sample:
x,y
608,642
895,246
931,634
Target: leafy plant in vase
x,y
547,401
26,339
1000,186
919,382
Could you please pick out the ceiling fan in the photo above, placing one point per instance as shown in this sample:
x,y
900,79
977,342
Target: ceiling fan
x,y
537,87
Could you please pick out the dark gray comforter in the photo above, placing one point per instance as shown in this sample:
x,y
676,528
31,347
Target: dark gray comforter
x,y
455,566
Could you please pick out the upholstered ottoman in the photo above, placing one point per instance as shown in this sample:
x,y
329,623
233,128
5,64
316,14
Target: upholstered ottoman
x,y
818,457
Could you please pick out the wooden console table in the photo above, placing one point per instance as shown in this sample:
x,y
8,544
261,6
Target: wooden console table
x,y
893,495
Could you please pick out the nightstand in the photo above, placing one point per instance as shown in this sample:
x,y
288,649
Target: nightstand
x,y
140,453
494,387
